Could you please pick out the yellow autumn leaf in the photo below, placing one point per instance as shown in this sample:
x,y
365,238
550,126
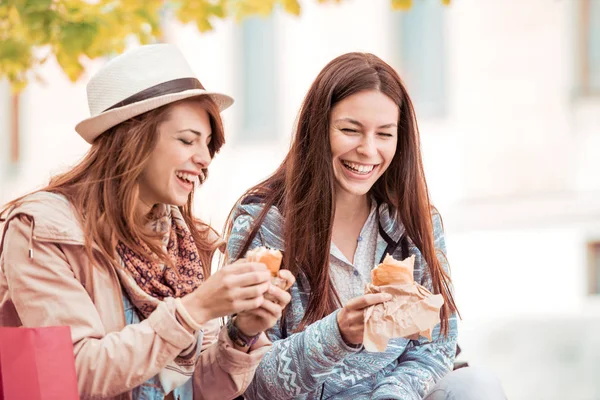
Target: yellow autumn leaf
x,y
246,8
219,10
203,25
291,6
70,65
13,16
401,4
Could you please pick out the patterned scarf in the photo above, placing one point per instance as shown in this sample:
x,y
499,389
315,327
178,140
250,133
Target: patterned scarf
x,y
161,280
148,282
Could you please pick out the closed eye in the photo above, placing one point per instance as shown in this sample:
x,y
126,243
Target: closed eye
x,y
186,142
348,130
385,134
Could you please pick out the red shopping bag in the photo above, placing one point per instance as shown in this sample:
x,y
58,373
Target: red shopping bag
x,y
37,364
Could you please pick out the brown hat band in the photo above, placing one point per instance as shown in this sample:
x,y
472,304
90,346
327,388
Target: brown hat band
x,y
174,86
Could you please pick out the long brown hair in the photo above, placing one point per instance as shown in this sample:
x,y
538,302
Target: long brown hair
x,y
302,188
103,189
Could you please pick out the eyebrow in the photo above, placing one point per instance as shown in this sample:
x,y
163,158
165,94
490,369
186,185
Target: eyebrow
x,y
190,130
355,122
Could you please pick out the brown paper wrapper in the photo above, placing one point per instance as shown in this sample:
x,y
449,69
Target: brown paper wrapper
x,y
413,311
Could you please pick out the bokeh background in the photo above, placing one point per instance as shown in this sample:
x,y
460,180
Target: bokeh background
x,y
507,95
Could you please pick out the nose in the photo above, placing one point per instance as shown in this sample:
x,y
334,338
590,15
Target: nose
x,y
367,146
202,156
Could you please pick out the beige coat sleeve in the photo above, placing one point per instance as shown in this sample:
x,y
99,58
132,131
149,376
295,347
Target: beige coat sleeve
x,y
221,362
45,292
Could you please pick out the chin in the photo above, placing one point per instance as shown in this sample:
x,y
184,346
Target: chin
x,y
176,200
358,191
180,202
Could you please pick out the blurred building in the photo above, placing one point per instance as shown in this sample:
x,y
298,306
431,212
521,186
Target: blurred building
x,y
508,100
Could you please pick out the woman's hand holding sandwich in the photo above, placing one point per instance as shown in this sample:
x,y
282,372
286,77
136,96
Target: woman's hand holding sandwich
x,y
257,320
351,318
264,317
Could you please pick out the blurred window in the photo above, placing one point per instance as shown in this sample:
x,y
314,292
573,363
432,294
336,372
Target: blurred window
x,y
594,268
421,56
259,77
588,37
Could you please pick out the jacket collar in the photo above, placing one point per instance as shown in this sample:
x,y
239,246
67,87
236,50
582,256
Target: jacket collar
x,y
52,216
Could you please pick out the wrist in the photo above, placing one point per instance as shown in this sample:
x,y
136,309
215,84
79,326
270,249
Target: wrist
x,y
240,322
241,340
195,310
185,318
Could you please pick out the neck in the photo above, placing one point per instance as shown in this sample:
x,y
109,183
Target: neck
x,y
349,207
143,208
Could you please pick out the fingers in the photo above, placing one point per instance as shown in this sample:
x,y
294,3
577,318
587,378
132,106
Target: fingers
x,y
279,296
367,300
263,314
247,279
272,306
269,297
272,309
245,305
280,283
242,266
251,292
288,277
355,318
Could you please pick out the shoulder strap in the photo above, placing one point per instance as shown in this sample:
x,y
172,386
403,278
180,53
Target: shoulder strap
x,y
392,245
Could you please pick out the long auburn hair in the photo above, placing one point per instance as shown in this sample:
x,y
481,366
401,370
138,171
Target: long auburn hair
x,y
103,190
303,187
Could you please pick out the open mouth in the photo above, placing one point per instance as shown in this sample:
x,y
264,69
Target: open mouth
x,y
190,180
360,169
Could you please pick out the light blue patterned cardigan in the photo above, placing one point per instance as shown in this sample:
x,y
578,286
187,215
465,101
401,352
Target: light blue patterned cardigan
x,y
316,363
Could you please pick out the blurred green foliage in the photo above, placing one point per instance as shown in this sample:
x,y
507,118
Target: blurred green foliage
x,y
31,31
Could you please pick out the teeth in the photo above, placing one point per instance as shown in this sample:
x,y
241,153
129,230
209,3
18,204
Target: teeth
x,y
363,169
187,177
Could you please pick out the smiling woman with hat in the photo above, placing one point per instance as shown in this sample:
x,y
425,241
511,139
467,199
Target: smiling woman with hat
x,y
111,248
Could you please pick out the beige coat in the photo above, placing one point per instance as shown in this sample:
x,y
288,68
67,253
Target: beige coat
x,y
47,279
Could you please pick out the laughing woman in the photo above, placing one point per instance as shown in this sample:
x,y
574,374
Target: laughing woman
x,y
111,248
350,191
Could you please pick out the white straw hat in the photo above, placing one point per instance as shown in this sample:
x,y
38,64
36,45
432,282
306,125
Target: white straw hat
x,y
138,81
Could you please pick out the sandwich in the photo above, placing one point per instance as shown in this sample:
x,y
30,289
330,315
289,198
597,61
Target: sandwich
x,y
394,272
271,258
